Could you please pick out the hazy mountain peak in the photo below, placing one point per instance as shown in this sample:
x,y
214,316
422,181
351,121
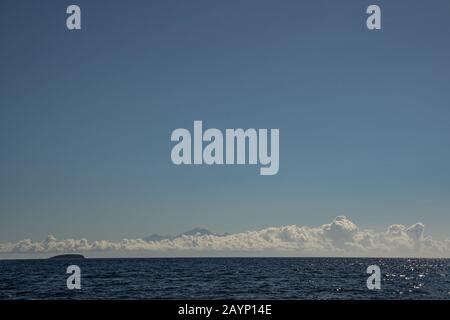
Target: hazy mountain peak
x,y
193,232
197,232
155,237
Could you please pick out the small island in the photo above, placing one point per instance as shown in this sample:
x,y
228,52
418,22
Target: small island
x,y
67,257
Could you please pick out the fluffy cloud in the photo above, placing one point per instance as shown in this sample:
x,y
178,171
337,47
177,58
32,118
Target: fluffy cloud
x,y
341,237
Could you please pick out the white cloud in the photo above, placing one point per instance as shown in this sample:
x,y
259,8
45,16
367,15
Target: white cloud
x,y
341,237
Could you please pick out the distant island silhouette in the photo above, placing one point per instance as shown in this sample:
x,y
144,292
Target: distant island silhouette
x,y
67,257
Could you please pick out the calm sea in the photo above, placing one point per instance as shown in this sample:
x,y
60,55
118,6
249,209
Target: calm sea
x,y
226,278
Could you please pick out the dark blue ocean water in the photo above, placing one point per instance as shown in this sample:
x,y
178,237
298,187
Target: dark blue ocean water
x,y
226,278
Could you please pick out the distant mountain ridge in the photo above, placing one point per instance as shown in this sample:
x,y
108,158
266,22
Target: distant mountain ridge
x,y
192,232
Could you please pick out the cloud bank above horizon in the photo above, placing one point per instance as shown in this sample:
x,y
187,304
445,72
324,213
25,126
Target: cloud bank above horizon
x,y
341,237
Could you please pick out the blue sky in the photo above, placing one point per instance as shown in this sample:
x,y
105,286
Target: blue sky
x,y
86,116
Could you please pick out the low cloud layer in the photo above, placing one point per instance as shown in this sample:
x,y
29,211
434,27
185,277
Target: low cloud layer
x,y
341,237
